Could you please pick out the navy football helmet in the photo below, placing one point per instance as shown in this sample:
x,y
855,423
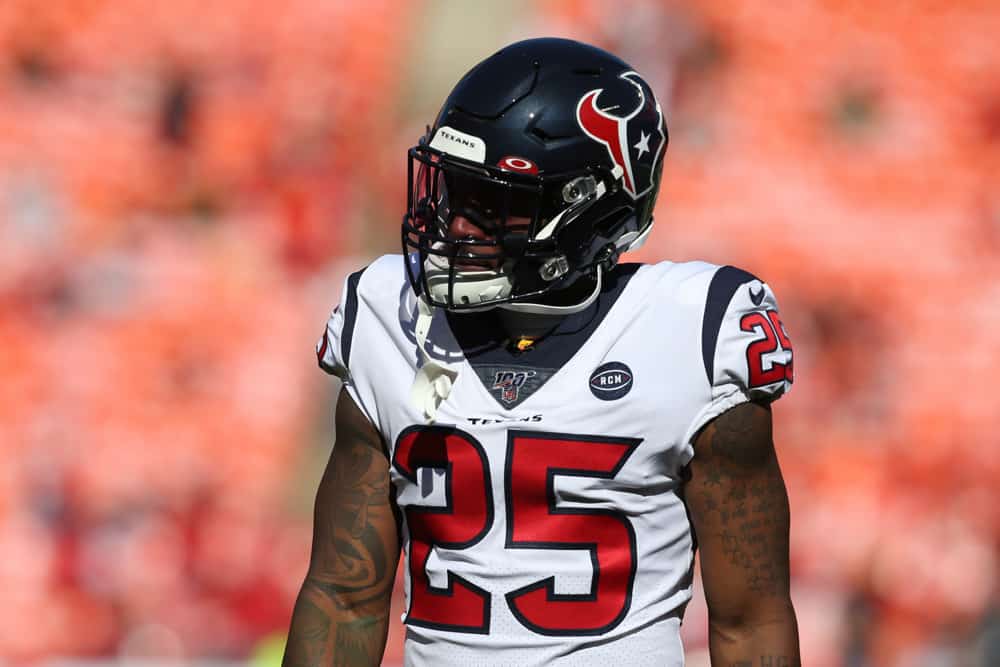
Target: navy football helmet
x,y
541,168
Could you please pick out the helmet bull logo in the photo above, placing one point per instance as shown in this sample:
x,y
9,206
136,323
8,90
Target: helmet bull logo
x,y
634,141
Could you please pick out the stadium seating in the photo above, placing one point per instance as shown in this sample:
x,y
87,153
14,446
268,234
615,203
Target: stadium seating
x,y
182,187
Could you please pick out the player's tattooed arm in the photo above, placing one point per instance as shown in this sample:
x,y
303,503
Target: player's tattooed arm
x,y
739,508
341,614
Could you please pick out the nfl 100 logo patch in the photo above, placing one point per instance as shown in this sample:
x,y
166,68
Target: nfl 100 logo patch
x,y
512,385
509,383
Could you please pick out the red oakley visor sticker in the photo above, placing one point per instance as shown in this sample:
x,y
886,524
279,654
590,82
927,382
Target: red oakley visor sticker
x,y
518,164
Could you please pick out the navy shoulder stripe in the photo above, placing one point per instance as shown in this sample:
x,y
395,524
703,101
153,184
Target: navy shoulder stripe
x,y
350,315
321,354
720,292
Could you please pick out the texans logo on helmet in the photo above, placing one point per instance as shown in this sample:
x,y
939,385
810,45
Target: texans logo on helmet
x,y
635,140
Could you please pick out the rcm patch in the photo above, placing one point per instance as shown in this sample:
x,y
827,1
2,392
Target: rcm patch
x,y
611,381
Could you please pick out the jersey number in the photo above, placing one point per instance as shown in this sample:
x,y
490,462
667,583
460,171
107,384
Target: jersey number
x,y
774,333
534,460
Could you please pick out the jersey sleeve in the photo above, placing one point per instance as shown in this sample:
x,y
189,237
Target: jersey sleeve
x,y
333,350
328,356
746,350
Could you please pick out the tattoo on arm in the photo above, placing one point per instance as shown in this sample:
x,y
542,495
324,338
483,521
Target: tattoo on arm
x,y
350,555
741,501
341,615
739,509
357,642
307,639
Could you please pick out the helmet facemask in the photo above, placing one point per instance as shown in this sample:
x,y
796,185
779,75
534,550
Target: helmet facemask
x,y
478,237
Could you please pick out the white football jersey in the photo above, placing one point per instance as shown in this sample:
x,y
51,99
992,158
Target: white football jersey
x,y
543,516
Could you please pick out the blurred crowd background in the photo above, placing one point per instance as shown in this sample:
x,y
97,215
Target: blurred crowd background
x,y
184,184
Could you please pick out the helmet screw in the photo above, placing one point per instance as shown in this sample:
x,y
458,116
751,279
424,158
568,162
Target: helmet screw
x,y
579,188
553,268
608,256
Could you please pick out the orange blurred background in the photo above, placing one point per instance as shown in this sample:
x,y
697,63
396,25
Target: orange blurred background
x,y
183,186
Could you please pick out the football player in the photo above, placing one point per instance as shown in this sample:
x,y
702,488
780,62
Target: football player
x,y
547,434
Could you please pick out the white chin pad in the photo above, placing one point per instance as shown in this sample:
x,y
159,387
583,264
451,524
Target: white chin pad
x,y
482,287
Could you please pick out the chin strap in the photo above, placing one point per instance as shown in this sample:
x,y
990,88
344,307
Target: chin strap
x,y
433,381
546,309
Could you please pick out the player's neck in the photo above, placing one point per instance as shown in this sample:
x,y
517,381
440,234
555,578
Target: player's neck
x,y
530,326
534,326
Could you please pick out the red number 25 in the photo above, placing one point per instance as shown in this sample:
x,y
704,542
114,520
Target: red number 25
x,y
774,333
533,520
